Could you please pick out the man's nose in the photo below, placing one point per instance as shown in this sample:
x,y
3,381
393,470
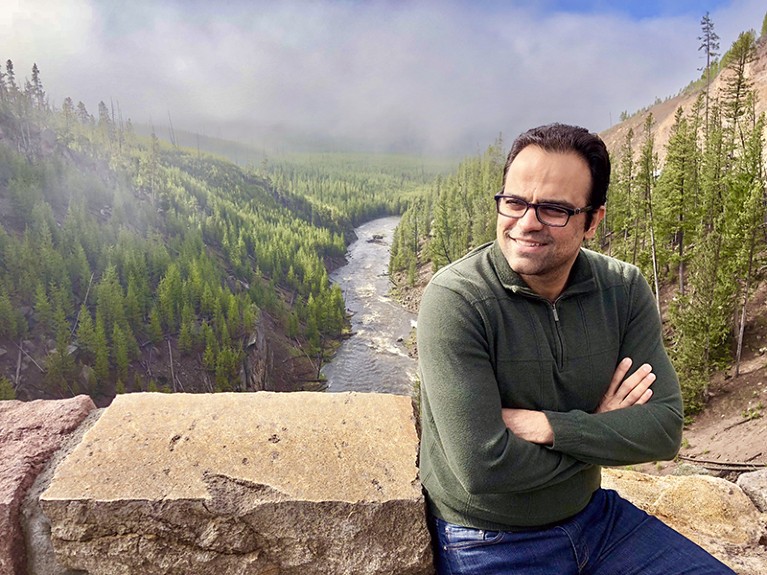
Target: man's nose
x,y
529,220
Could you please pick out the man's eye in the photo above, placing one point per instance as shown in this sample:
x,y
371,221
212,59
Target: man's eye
x,y
553,211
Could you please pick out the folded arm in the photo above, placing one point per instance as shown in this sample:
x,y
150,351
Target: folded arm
x,y
623,392
639,418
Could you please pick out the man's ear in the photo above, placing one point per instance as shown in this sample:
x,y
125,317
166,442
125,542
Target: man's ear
x,y
596,218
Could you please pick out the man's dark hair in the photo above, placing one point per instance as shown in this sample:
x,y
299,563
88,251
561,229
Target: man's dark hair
x,y
563,138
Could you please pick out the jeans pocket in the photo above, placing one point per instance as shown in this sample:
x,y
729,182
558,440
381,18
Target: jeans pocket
x,y
456,537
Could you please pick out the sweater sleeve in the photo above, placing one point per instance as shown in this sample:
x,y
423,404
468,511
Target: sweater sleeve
x,y
461,406
636,434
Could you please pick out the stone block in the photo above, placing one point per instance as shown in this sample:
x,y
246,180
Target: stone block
x,y
30,433
261,483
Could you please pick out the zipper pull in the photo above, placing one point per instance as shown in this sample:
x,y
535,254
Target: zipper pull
x,y
554,310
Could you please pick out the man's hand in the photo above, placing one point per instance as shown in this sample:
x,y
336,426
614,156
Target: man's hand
x,y
634,390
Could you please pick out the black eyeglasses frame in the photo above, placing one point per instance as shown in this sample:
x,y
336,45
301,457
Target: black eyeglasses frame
x,y
569,211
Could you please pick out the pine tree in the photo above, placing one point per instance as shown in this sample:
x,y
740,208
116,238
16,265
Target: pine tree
x,y
7,391
738,87
186,338
622,218
10,80
120,352
8,325
677,192
36,93
82,114
155,326
710,46
101,364
170,298
646,178
86,333
43,309
60,365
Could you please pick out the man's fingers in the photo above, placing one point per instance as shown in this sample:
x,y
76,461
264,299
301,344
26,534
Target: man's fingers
x,y
638,391
634,390
620,372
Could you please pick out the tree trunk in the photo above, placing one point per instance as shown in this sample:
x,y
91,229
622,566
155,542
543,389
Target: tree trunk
x,y
746,288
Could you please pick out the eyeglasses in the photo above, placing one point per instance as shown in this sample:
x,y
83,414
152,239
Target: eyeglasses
x,y
552,215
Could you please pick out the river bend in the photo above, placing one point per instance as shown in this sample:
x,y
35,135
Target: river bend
x,y
374,358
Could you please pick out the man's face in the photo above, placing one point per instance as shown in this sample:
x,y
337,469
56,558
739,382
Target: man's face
x,y
543,255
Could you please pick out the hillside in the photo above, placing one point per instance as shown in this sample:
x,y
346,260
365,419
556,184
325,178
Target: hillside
x,y
127,264
663,112
733,425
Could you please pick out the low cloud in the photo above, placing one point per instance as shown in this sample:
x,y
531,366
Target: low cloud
x,y
434,77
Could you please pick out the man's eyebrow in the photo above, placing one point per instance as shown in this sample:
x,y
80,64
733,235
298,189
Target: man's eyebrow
x,y
562,203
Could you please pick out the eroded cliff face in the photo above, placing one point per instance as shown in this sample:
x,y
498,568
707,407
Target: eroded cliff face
x,y
258,364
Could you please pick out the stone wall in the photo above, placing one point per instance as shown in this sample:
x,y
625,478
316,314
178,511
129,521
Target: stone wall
x,y
267,483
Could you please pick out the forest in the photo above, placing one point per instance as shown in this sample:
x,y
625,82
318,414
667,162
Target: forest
x,y
130,264
696,224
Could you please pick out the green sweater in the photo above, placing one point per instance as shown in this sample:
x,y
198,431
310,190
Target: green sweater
x,y
486,341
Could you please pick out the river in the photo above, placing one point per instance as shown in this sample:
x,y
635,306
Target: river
x,y
374,358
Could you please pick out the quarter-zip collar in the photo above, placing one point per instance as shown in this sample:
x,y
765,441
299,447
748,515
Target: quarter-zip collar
x,y
581,276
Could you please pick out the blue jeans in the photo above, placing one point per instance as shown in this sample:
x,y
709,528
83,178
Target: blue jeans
x,y
609,537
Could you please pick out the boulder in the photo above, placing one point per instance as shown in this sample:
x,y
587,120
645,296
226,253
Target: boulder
x,y
261,483
754,484
30,432
713,512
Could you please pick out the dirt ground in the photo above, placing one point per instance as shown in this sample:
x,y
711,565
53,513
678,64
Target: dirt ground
x,y
731,432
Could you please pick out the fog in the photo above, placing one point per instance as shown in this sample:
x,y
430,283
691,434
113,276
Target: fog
x,y
417,76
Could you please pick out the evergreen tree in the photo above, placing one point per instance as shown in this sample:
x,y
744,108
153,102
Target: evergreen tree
x,y
7,391
43,310
120,352
36,93
82,114
86,333
8,322
3,88
709,44
10,80
60,365
738,87
677,192
155,326
101,363
646,178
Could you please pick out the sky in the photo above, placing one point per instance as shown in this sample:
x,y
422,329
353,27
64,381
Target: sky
x,y
426,76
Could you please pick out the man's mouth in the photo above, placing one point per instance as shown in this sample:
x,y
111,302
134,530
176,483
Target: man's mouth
x,y
528,243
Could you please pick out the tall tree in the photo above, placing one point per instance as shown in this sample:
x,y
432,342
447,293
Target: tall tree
x,y
36,92
738,87
709,43
646,177
677,191
10,80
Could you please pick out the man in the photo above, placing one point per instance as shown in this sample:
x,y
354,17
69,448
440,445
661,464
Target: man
x,y
541,361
